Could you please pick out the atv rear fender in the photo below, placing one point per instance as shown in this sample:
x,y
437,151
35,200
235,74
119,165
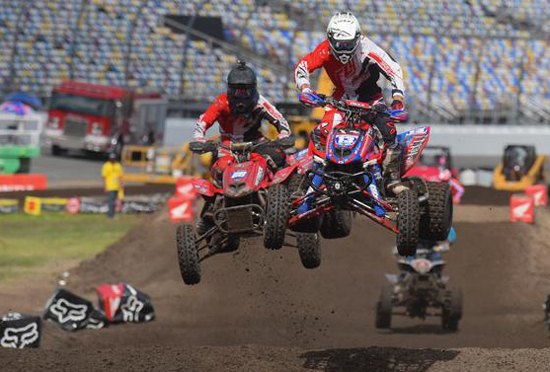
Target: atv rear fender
x,y
413,142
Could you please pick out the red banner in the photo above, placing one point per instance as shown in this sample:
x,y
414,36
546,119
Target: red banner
x,y
184,187
22,182
181,209
539,194
522,208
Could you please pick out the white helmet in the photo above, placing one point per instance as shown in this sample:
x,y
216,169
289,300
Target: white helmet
x,y
343,34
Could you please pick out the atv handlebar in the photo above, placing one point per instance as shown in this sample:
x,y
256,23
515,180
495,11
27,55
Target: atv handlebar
x,y
202,147
209,146
352,106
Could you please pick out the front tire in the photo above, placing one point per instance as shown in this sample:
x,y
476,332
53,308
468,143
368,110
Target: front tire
x,y
24,166
452,311
384,308
309,249
408,222
188,254
56,150
277,213
296,184
336,224
437,219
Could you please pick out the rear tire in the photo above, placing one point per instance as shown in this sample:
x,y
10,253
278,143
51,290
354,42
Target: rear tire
x,y
188,255
24,165
408,221
336,224
56,150
384,308
437,219
295,183
309,248
452,311
277,213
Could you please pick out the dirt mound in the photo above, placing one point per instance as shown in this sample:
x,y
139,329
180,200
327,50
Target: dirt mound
x,y
319,319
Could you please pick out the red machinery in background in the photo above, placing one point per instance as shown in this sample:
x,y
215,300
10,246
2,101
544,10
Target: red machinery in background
x,y
98,118
436,165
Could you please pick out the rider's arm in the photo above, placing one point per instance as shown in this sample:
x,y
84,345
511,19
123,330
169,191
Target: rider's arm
x,y
209,117
271,114
387,66
309,63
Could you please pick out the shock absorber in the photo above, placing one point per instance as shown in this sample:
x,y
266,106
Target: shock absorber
x,y
373,189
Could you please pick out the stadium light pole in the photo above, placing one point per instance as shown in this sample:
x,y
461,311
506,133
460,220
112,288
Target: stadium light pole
x,y
14,48
521,76
441,31
76,31
187,42
130,39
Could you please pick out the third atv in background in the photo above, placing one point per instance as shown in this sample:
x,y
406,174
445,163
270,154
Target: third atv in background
x,y
420,289
346,177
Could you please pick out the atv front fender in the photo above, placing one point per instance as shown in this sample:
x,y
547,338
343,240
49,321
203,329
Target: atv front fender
x,y
205,188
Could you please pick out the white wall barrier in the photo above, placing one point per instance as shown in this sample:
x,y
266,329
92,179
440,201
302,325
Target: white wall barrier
x,y
464,140
487,140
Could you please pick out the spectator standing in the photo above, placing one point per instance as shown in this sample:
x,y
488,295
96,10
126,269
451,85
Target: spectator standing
x,y
112,173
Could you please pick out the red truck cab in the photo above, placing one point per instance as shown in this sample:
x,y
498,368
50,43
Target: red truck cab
x,y
99,118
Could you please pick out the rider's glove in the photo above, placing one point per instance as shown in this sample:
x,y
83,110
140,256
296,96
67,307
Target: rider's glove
x,y
377,110
283,134
397,105
307,91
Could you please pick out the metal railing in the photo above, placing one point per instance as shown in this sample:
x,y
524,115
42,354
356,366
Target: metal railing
x,y
430,108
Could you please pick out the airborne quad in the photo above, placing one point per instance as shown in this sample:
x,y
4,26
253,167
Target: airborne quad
x,y
420,290
249,200
346,177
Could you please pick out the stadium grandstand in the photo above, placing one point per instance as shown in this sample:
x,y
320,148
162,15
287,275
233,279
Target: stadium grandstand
x,y
483,61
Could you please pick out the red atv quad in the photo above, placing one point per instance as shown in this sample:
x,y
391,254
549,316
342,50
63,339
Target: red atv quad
x,y
251,201
347,176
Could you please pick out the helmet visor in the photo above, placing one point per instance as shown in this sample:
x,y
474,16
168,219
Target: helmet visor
x,y
344,46
242,91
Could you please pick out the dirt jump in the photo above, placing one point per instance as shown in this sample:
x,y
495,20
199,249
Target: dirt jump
x,y
260,310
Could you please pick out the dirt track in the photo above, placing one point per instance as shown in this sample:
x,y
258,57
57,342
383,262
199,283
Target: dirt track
x,y
258,310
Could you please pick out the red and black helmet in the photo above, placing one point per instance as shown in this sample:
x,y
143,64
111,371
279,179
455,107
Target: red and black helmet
x,y
242,92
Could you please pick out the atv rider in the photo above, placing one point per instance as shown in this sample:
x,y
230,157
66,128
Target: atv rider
x,y
239,113
435,249
354,63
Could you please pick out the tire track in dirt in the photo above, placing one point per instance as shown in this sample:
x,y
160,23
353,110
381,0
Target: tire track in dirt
x,y
265,298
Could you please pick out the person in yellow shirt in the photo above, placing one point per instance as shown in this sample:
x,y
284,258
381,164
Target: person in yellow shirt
x,y
112,173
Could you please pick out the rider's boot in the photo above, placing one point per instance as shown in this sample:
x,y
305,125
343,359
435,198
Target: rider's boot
x,y
392,170
306,204
309,198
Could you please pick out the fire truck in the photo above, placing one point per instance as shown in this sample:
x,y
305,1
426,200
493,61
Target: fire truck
x,y
100,119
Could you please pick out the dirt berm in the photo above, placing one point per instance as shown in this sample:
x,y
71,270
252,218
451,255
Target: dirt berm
x,y
259,310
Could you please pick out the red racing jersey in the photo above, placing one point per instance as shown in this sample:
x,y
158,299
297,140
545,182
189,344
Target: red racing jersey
x,y
356,79
238,128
